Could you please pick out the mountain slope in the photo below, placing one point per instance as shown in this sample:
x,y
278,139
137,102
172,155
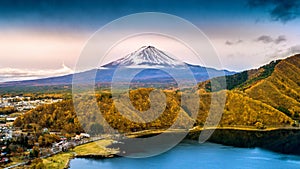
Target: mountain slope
x,y
281,90
146,56
275,85
246,78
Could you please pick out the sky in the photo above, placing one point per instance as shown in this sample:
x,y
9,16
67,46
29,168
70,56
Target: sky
x,y
45,38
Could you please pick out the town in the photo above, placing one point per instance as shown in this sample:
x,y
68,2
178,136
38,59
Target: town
x,y
21,103
10,108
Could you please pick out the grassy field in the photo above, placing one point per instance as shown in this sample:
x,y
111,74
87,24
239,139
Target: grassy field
x,y
61,160
94,148
58,161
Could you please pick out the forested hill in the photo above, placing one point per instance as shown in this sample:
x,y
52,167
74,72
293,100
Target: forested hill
x,y
281,89
276,84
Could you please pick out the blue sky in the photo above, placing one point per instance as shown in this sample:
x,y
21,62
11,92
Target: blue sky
x,y
40,36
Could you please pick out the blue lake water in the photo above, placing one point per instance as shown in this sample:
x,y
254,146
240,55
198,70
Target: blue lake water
x,y
192,155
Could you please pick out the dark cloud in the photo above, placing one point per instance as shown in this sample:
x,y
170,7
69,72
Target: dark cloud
x,y
233,42
269,39
76,14
280,39
279,10
264,39
228,43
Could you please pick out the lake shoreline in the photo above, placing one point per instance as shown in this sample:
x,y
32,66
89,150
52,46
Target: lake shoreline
x,y
191,154
232,134
97,156
281,140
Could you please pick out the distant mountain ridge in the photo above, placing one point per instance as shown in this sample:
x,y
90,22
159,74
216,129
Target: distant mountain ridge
x,y
148,59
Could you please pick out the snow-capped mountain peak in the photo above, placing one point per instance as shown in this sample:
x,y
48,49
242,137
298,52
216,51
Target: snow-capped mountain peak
x,y
146,56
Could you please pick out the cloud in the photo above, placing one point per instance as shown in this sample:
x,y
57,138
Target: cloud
x,y
264,39
233,42
280,39
294,49
268,39
279,10
283,53
12,74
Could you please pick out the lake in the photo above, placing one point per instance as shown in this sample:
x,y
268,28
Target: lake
x,y
190,154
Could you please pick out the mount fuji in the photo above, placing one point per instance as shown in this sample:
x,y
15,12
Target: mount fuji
x,y
148,59
146,56
151,59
